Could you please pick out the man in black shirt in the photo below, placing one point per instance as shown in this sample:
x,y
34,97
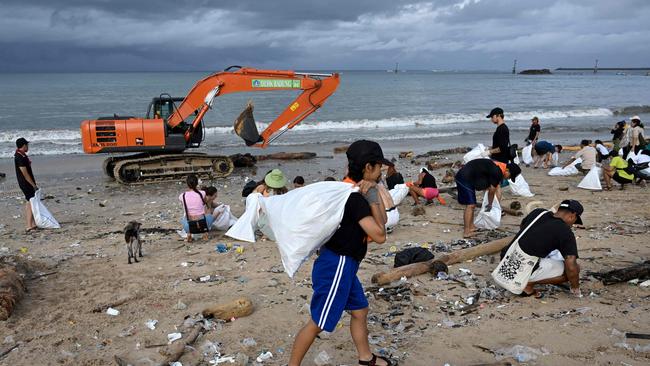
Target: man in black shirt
x,y
533,134
500,138
479,175
617,134
25,178
550,233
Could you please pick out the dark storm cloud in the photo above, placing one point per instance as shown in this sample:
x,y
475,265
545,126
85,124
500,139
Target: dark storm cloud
x,y
70,35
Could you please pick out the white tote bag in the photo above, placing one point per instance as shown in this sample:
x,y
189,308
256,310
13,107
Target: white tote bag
x,y
399,192
480,151
527,154
223,218
301,220
591,181
489,220
520,187
392,218
515,268
42,215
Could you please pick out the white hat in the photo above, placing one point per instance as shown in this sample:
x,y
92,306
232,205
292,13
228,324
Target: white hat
x,y
635,117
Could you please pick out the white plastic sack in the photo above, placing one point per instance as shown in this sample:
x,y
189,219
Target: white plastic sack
x,y
516,159
399,192
527,154
42,215
480,151
520,187
592,180
569,170
488,220
555,158
223,218
392,217
301,220
244,228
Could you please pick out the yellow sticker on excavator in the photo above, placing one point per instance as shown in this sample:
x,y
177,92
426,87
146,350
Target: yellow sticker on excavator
x,y
277,83
294,106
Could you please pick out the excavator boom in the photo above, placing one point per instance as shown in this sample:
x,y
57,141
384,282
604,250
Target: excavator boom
x,y
170,129
316,88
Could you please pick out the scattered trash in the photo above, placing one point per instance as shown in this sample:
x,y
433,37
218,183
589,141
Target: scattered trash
x,y
151,324
180,306
248,342
175,364
645,284
171,337
111,311
323,359
519,353
265,356
221,248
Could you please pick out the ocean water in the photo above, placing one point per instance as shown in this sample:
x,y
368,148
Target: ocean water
x,y
440,109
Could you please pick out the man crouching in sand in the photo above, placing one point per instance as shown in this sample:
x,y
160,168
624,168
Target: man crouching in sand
x,y
546,243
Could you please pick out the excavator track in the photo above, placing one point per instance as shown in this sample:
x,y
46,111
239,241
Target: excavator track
x,y
171,167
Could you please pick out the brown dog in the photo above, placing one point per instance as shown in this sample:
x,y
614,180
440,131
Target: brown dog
x,y
132,236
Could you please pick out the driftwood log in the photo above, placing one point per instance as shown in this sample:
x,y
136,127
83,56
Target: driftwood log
x,y
175,350
120,301
286,156
238,308
341,149
12,290
384,278
640,271
455,150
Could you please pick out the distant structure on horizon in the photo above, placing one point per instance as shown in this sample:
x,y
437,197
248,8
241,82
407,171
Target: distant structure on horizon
x,y
514,67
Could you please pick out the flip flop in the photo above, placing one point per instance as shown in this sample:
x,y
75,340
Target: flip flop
x,y
373,361
29,230
535,294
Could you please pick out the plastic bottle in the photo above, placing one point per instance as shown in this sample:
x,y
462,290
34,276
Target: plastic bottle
x,y
323,359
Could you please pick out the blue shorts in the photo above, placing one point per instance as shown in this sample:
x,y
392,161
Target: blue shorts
x,y
466,193
336,288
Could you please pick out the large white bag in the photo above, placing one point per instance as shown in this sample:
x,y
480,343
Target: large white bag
x,y
488,220
301,220
591,180
223,218
42,215
569,170
520,187
392,218
480,151
527,154
556,159
399,192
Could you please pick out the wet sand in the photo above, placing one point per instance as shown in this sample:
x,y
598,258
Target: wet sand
x,y
423,326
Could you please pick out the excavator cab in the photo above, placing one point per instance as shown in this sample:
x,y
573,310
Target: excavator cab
x,y
162,107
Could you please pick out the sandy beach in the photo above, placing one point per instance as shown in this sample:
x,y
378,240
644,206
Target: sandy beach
x,y
72,270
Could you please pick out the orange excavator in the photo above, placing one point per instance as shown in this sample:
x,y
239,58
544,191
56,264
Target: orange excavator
x,y
173,125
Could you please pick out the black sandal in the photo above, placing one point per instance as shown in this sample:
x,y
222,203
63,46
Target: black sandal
x,y
373,361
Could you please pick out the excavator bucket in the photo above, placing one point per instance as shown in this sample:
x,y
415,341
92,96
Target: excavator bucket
x,y
245,126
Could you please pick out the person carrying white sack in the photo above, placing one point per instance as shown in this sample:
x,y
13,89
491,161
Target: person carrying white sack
x,y
529,260
334,276
479,175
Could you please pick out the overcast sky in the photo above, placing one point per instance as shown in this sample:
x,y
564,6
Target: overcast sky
x,y
187,35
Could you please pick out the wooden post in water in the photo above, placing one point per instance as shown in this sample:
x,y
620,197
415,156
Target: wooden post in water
x,y
514,67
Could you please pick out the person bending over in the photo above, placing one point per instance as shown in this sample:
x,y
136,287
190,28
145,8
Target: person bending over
x,y
587,154
551,240
544,151
298,182
479,175
334,276
425,187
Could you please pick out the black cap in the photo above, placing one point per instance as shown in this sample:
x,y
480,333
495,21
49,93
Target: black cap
x,y
364,151
575,207
21,142
495,111
514,170
585,142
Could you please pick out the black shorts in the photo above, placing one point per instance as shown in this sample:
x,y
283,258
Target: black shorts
x,y
29,192
618,179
